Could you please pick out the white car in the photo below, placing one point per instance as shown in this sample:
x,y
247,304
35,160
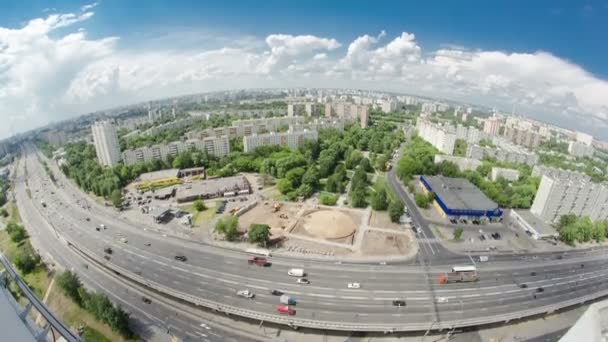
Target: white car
x,y
302,281
245,294
441,300
354,285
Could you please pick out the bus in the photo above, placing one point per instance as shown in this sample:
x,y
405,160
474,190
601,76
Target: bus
x,y
468,268
258,251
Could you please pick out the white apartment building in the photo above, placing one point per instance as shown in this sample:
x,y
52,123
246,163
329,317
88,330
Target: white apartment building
x,y
508,174
348,111
295,109
580,149
388,106
523,136
173,124
441,137
106,143
541,170
429,107
479,152
560,196
491,126
290,139
242,128
469,134
217,146
319,124
584,138
463,163
312,109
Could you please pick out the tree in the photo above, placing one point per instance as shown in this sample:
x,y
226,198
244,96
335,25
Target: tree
x,y
448,169
566,220
311,177
457,233
3,212
366,165
328,199
228,227
295,176
259,233
334,184
357,197
69,282
26,261
382,162
284,185
199,205
17,233
379,200
422,200
395,210
116,198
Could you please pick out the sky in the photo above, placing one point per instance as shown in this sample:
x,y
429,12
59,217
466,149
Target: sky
x,y
546,59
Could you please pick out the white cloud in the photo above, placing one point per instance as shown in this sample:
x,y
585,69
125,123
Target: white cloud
x,y
87,7
46,75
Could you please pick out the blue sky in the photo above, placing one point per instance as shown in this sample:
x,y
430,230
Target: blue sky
x,y
548,58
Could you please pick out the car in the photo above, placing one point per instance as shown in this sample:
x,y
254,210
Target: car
x,y
540,290
276,293
124,240
258,261
146,300
302,281
181,258
497,236
88,219
147,244
398,302
245,294
286,310
441,300
107,257
108,250
354,285
97,229
523,286
482,237
417,229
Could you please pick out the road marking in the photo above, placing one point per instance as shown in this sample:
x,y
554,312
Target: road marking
x,y
354,298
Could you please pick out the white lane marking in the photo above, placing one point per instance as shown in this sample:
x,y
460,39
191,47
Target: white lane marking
x,y
354,298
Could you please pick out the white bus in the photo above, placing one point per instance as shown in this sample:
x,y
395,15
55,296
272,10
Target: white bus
x,y
258,251
469,268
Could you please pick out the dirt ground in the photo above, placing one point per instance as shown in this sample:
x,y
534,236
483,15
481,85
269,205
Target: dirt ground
x,y
295,246
329,224
278,221
380,219
381,243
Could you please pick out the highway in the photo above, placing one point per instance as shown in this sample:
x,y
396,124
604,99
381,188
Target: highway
x,y
216,274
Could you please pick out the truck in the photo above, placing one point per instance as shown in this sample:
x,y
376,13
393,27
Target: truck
x,y
296,272
458,277
287,300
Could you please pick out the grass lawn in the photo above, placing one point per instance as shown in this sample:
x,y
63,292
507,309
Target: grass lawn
x,y
73,315
202,216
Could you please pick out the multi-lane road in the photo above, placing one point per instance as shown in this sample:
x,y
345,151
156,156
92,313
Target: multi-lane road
x,y
216,274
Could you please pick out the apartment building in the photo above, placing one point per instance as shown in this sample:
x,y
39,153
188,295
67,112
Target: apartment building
x,y
580,149
523,136
479,152
491,126
388,106
291,139
471,135
106,143
217,146
429,107
560,196
246,127
173,125
442,137
541,170
584,138
349,112
319,124
508,174
463,163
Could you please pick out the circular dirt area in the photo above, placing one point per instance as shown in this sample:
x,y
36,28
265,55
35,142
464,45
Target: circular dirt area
x,y
327,224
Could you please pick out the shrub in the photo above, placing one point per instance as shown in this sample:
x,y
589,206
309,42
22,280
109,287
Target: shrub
x,y
328,199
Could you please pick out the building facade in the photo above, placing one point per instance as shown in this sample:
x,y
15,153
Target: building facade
x,y
491,126
479,152
443,138
291,139
579,149
106,143
508,174
216,146
242,128
463,164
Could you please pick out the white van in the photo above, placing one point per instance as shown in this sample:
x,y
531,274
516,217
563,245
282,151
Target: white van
x,y
296,272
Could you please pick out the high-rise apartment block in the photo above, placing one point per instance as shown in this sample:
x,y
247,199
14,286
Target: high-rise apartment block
x,y
216,146
443,138
491,126
584,138
106,143
348,111
580,149
557,196
523,136
290,139
388,106
312,109
301,109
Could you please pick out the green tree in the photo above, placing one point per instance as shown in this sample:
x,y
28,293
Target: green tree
x,y
379,200
395,210
259,233
458,233
3,212
199,205
17,233
328,199
284,185
334,184
566,220
26,260
311,177
357,198
422,200
116,198
69,282
366,165
228,227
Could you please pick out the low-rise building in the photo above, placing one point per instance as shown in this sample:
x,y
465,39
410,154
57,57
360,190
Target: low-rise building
x,y
463,163
212,188
533,225
246,127
508,174
290,139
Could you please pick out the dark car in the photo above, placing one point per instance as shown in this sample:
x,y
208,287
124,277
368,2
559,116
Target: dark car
x,y
523,286
181,258
146,300
108,250
88,219
399,302
482,237
107,257
540,289
276,293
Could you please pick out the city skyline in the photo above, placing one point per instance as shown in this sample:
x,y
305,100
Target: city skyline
x,y
88,65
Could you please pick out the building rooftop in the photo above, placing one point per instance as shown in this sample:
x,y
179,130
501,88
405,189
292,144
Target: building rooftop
x,y
13,329
212,186
540,226
459,193
156,175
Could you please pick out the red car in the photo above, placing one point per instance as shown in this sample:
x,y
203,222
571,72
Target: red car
x,y
258,261
286,310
